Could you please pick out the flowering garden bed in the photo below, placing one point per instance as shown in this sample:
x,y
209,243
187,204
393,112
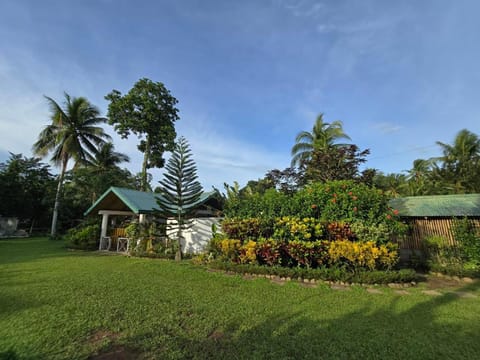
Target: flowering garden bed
x,y
337,231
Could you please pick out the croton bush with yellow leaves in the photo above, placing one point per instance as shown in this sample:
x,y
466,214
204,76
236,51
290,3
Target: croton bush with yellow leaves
x,y
334,224
357,255
351,255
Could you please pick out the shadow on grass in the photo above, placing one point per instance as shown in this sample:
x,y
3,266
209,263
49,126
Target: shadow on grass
x,y
25,250
395,331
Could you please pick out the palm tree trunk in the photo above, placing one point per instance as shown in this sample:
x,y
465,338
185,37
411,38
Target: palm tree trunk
x,y
144,165
53,231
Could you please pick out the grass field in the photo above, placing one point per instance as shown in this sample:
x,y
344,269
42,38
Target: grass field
x,y
59,304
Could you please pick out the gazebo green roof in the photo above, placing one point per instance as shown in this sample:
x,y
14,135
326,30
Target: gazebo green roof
x,y
138,202
438,205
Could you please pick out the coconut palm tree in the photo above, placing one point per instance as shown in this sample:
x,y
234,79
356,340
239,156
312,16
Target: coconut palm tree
x,y
460,163
466,146
100,173
72,134
107,158
419,178
322,137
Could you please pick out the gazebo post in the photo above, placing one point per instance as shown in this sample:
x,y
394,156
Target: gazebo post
x,y
103,231
105,216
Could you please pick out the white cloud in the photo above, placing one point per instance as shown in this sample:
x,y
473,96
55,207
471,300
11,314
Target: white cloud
x,y
304,8
221,157
387,128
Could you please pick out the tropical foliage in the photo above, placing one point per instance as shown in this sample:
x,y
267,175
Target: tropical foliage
x,y
322,137
26,189
73,134
457,171
147,111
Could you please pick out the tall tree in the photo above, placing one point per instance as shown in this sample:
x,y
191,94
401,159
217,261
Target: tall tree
x,y
392,184
287,181
459,166
179,190
322,137
148,111
418,178
72,134
101,173
107,158
337,163
25,187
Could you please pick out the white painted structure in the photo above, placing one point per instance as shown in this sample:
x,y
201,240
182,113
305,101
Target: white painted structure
x,y
196,237
107,213
8,225
142,205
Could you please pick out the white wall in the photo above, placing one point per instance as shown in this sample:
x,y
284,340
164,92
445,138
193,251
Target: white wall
x,y
8,225
197,236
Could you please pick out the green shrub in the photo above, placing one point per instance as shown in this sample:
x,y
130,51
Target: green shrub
x,y
347,201
440,252
269,205
271,252
289,228
468,239
379,233
334,201
339,230
307,253
84,237
247,228
358,256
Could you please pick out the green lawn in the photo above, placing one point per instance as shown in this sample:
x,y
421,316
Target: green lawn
x,y
59,304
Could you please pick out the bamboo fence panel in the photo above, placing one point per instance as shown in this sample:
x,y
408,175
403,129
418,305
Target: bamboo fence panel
x,y
421,228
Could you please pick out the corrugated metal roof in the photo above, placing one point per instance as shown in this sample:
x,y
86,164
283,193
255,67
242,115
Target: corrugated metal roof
x,y
139,202
438,205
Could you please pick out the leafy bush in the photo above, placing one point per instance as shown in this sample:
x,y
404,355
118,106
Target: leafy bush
x,y
247,228
440,252
357,255
346,201
230,249
468,239
269,205
339,230
248,253
307,253
461,259
83,237
289,228
270,252
379,233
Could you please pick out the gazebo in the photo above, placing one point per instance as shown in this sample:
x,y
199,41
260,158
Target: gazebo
x,y
118,201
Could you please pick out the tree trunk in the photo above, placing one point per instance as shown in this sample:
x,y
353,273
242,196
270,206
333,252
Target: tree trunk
x,y
53,231
178,255
144,165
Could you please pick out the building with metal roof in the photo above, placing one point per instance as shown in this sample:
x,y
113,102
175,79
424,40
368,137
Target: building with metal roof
x,y
435,215
118,201
438,206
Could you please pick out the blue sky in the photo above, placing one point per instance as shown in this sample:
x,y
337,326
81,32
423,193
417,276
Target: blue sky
x,y
249,75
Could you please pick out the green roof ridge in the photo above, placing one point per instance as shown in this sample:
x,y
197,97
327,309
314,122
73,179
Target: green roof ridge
x,y
456,205
141,202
